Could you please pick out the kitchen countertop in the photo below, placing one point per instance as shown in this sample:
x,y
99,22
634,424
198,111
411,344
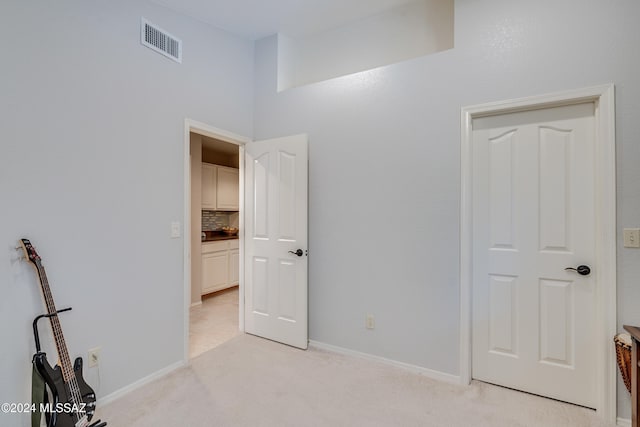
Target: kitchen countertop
x,y
216,235
220,237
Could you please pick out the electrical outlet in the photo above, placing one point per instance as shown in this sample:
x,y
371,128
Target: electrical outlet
x,y
371,322
93,357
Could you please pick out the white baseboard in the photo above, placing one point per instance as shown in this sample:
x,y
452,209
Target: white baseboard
x,y
623,422
131,387
430,373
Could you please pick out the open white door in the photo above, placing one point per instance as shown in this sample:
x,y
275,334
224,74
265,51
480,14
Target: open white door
x,y
275,240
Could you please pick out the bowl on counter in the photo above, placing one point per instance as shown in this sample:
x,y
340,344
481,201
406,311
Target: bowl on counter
x,y
230,231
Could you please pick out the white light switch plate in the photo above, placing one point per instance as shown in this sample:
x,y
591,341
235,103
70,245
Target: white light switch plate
x,y
175,230
632,237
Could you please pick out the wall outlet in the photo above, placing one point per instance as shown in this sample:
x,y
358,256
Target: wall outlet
x,y
371,321
93,357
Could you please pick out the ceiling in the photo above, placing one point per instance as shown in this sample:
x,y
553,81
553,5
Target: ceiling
x,y
255,19
218,146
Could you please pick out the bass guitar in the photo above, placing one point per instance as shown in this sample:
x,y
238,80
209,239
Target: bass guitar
x,y
72,400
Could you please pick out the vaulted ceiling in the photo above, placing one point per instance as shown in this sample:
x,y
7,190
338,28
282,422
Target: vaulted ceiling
x,y
255,19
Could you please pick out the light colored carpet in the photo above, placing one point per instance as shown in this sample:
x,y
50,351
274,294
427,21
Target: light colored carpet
x,y
249,381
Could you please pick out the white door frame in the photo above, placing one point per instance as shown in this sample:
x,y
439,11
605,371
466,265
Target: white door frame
x,y
605,192
222,135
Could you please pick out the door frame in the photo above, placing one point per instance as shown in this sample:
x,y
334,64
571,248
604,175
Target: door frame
x,y
603,98
230,137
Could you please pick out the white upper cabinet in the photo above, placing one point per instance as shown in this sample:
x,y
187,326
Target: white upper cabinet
x,y
220,188
228,188
208,186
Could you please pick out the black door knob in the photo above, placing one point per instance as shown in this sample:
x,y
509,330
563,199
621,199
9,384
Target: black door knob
x,y
582,270
298,252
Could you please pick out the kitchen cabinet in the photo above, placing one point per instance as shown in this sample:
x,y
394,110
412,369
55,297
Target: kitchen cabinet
x,y
228,188
220,188
220,265
209,183
234,262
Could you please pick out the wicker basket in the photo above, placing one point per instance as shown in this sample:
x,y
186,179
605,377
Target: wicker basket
x,y
623,354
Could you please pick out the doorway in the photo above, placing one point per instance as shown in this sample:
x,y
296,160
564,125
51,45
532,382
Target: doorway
x,y
215,264
502,317
213,304
278,195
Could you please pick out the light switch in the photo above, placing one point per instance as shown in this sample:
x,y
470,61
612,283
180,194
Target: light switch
x,y
632,237
175,230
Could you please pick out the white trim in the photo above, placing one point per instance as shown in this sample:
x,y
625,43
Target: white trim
x,y
195,304
141,382
241,243
214,132
226,136
430,373
605,168
623,422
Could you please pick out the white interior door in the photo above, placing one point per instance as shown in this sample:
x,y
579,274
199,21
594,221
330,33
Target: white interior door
x,y
275,229
533,216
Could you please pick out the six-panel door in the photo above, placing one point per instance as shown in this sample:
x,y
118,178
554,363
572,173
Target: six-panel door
x,y
275,228
533,217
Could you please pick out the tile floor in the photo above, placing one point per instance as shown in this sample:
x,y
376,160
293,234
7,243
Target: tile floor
x,y
213,322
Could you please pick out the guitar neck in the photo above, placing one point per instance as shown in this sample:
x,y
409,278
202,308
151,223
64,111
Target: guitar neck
x,y
65,361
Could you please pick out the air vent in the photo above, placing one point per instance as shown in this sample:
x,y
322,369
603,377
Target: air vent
x,y
159,40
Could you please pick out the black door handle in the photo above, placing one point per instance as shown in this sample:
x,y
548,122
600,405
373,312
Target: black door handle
x,y
298,252
582,270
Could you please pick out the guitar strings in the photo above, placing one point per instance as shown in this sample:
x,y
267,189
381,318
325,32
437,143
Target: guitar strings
x,y
67,370
61,346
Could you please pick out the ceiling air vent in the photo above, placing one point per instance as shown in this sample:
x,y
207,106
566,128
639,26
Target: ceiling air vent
x,y
159,40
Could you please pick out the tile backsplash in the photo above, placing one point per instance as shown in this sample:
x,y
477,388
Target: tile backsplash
x,y
215,220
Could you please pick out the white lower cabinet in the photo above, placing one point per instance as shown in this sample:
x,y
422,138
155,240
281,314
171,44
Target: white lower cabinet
x,y
234,266
220,265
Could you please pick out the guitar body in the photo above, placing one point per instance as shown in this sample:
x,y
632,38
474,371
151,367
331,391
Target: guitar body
x,y
60,391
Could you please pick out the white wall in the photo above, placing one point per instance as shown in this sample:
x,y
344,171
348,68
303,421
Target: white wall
x,y
406,31
384,165
91,169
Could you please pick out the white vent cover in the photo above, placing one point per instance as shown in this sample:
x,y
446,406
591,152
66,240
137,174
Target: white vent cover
x,y
159,40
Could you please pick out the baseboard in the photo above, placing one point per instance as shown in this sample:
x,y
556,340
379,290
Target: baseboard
x,y
131,387
623,422
430,373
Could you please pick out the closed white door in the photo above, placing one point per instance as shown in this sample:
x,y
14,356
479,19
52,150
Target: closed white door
x,y
275,240
533,217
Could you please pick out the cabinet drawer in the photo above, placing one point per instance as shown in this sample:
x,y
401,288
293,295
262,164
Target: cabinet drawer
x,y
234,244
209,247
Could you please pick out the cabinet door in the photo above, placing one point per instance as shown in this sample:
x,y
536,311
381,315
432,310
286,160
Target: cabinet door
x,y
209,179
215,271
228,188
234,267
